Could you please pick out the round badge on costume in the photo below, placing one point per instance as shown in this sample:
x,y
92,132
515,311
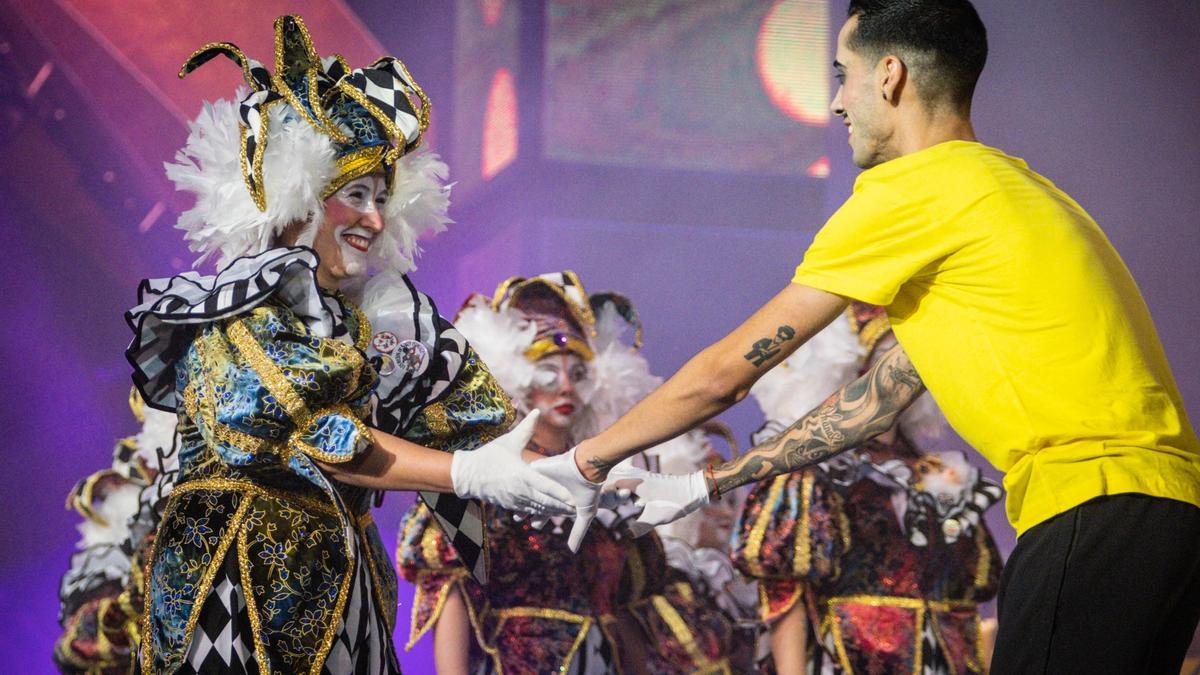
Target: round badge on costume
x,y
951,528
385,341
386,365
411,356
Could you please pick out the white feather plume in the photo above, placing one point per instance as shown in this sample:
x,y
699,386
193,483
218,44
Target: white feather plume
x,y
500,339
618,376
158,432
298,163
119,505
417,204
824,364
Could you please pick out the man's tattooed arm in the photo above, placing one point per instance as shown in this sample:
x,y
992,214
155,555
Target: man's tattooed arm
x,y
859,411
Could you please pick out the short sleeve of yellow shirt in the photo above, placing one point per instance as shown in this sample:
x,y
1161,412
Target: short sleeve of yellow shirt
x,y
1023,322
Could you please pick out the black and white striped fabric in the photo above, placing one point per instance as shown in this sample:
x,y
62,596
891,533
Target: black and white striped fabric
x,y
169,309
419,355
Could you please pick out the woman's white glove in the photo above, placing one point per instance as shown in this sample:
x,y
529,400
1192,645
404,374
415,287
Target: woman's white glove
x,y
585,494
496,473
663,497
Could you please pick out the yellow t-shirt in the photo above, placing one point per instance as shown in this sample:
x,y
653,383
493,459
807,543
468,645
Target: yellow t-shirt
x,y
1023,322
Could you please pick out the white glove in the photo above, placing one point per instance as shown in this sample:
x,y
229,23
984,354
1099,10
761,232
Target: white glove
x,y
584,493
496,473
663,497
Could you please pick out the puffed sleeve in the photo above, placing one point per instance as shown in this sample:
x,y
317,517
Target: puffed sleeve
x,y
791,532
260,384
426,559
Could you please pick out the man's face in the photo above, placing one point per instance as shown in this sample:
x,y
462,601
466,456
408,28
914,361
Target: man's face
x,y
353,218
555,390
860,103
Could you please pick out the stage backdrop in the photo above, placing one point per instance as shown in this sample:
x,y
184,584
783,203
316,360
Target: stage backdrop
x,y
1100,97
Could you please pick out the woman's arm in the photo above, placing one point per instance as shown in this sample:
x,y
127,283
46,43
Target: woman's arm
x,y
452,636
494,472
789,641
392,463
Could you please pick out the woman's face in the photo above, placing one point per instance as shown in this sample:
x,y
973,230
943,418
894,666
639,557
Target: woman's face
x,y
353,218
555,389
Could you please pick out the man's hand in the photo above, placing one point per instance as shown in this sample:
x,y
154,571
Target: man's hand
x,y
663,497
496,473
585,494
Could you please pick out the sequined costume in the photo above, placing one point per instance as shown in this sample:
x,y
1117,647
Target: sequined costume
x,y
545,609
262,562
887,562
614,606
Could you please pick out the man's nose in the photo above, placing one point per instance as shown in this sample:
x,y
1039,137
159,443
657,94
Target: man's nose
x,y
836,104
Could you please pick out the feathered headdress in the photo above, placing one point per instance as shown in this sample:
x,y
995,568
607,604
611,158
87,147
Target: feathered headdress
x,y
300,133
527,318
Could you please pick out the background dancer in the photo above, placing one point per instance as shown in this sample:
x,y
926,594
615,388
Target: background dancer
x,y
612,608
875,559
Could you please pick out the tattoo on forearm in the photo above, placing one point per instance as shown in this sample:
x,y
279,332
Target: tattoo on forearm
x,y
601,465
762,350
857,412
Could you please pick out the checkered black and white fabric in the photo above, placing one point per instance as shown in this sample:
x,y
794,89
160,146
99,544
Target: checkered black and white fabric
x,y
223,641
169,309
388,87
419,354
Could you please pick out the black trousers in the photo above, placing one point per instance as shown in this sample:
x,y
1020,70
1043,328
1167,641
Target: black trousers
x,y
1110,586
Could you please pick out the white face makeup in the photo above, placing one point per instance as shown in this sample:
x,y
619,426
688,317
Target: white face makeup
x,y
555,390
365,196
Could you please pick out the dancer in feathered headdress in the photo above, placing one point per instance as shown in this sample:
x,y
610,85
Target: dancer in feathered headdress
x,y
294,405
616,606
878,555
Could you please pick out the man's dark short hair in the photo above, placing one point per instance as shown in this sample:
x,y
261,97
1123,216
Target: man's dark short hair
x,y
943,42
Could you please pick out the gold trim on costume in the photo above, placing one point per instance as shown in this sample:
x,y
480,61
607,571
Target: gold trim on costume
x,y
684,635
802,554
354,165
205,585
584,622
547,345
271,375
436,419
919,606
243,554
415,631
755,539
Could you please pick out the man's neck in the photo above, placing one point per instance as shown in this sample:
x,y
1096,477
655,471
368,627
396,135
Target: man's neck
x,y
553,439
926,129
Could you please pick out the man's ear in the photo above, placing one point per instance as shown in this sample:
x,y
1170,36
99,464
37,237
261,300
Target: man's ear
x,y
892,73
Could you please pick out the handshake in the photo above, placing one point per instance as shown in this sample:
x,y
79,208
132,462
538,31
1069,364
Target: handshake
x,y
554,485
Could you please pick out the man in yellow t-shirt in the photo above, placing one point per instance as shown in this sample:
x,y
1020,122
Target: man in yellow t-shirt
x,y
1015,311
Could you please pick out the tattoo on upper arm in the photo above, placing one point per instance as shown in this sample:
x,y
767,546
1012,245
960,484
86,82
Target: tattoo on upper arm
x,y
857,412
762,350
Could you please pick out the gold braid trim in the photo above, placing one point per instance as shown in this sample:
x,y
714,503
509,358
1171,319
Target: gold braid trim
x,y
755,540
218,559
354,165
764,603
147,641
680,630
585,624
919,606
271,375
983,567
296,440
802,554
362,523
260,649
338,609
436,419
249,489
415,631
